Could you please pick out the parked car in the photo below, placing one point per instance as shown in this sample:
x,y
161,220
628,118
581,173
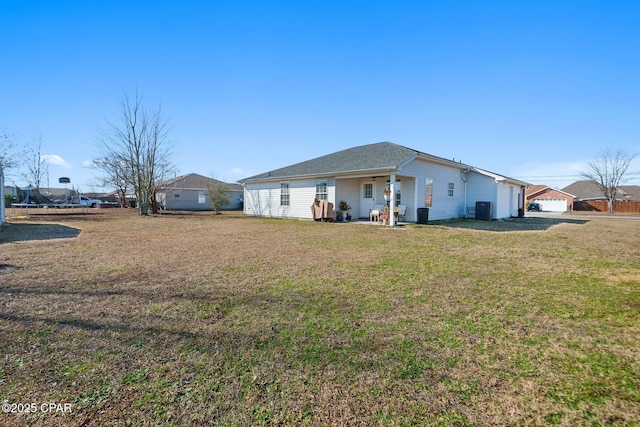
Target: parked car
x,y
92,203
534,207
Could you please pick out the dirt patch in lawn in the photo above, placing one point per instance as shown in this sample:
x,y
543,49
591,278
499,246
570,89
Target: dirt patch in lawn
x,y
30,232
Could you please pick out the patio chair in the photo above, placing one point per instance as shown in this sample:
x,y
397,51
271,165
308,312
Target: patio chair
x,y
402,213
374,214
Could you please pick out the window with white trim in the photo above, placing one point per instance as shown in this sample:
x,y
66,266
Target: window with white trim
x,y
321,190
284,194
450,189
428,192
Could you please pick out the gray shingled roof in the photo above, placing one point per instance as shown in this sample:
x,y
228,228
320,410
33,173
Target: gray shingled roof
x,y
379,156
194,180
632,192
587,190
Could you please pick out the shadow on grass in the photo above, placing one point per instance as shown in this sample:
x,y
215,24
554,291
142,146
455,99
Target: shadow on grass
x,y
512,224
31,232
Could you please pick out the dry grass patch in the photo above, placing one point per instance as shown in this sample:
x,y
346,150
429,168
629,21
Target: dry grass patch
x,y
228,320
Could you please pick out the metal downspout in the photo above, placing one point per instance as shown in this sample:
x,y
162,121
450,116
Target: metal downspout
x,y
463,176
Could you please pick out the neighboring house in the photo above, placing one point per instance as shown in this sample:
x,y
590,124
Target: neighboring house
x,y
359,176
550,199
631,192
190,193
589,190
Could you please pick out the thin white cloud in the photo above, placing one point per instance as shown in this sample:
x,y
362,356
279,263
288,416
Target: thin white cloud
x,y
560,174
54,159
237,171
554,174
87,164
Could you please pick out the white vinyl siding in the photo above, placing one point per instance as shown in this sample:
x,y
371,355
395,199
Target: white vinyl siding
x,y
443,206
349,191
503,207
263,199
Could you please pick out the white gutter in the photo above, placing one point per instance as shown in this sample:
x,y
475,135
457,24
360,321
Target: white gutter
x,y
463,176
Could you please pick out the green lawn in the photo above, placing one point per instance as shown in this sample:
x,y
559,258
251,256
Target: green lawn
x,y
229,320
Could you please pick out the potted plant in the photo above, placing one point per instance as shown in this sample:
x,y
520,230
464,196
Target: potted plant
x,y
345,208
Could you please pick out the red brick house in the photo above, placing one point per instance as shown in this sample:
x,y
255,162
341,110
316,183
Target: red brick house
x,y
550,199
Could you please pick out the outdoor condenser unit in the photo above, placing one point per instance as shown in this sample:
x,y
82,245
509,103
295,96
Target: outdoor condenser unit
x,y
484,211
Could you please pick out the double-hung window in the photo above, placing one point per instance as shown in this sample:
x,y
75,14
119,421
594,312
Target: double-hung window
x,y
450,189
321,190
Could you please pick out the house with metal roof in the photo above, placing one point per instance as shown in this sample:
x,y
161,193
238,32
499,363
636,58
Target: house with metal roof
x,y
362,176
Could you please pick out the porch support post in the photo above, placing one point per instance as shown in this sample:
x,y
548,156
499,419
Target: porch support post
x,y
392,199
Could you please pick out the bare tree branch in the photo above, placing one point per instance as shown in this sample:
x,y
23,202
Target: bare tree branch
x,y
36,166
609,171
137,151
8,152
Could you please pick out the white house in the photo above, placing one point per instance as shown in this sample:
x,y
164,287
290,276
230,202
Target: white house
x,y
359,175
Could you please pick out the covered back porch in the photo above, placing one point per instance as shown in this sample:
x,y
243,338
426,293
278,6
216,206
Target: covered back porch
x,y
371,193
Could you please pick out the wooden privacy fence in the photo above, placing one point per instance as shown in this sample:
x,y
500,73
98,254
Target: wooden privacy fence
x,y
603,206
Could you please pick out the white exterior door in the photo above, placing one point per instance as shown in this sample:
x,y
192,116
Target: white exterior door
x,y
367,198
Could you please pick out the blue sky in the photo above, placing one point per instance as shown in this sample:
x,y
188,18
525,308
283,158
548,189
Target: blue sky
x,y
529,89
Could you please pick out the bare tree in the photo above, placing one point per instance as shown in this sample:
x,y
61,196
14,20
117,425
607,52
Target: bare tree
x,y
8,153
137,150
115,176
37,168
608,171
218,193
